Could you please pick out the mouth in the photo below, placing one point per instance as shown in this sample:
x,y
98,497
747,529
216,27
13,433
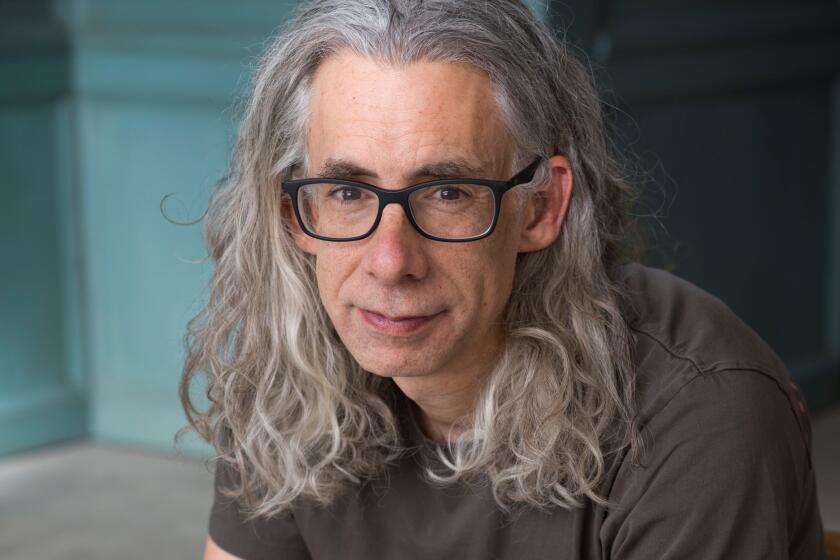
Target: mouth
x,y
397,326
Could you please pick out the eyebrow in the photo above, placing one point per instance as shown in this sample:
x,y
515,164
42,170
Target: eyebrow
x,y
458,168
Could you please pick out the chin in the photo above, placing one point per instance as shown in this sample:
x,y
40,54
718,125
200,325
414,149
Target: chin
x,y
404,366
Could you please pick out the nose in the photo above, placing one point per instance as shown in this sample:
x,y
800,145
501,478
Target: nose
x,y
395,250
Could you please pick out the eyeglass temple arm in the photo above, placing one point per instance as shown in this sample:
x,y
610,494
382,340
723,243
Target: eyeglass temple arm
x,y
526,175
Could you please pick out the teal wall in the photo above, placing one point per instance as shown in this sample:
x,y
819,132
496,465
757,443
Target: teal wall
x,y
105,107
42,387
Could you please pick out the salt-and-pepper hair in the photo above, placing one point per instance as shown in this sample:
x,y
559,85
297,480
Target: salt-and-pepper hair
x,y
290,408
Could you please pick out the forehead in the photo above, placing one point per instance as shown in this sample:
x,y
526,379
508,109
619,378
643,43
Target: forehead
x,y
391,118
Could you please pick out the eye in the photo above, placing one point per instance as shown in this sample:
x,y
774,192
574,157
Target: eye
x,y
346,194
451,193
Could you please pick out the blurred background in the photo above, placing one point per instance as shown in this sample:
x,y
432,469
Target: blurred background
x,y
730,112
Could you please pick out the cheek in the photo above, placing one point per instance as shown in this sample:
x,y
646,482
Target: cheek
x,y
503,281
331,271
489,276
504,255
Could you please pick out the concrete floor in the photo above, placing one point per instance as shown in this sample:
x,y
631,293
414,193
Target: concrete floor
x,y
88,501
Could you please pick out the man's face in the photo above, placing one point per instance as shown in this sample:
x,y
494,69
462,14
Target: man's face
x,y
405,305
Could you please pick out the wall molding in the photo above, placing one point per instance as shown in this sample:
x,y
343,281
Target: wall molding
x,y
49,414
34,77
142,416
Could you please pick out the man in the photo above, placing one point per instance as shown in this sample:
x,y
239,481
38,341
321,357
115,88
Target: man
x,y
426,337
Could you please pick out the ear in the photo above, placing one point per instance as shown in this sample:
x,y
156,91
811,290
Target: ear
x,y
545,209
303,242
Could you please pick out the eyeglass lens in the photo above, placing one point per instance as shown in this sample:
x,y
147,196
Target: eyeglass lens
x,y
450,211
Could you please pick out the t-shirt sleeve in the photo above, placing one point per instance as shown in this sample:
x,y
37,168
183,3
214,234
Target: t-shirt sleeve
x,y
727,474
277,538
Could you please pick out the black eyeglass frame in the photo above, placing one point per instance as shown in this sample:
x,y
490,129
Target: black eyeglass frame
x,y
401,197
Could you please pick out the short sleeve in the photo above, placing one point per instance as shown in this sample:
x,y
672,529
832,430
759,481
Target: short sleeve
x,y
277,538
727,474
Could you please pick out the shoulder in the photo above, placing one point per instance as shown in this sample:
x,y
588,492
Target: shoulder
x,y
693,324
692,349
724,452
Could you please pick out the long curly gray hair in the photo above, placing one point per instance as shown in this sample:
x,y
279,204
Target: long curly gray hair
x,y
290,408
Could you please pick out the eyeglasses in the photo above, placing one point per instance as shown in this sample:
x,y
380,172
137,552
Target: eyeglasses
x,y
453,210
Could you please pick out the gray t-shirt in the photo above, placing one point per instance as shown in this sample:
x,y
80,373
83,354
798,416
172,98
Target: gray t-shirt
x,y
727,473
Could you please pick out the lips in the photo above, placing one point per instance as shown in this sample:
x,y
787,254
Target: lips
x,y
397,326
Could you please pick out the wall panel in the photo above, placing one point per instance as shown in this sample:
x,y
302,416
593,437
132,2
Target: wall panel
x,y
105,108
156,86
42,391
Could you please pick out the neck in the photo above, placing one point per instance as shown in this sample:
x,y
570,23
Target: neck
x,y
445,401
446,398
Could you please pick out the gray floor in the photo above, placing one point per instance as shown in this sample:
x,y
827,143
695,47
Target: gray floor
x,y
85,501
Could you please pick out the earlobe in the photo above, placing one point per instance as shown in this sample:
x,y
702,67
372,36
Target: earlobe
x,y
303,241
546,209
